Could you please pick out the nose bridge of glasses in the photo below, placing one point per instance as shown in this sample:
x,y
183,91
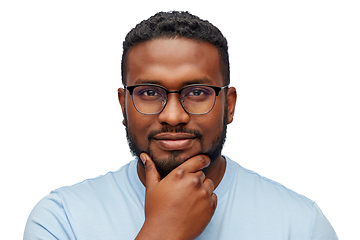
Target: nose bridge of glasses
x,y
166,100
169,92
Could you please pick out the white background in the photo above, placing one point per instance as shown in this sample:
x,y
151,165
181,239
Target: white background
x,y
295,65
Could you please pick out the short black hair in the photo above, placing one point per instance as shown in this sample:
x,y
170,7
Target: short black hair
x,y
177,24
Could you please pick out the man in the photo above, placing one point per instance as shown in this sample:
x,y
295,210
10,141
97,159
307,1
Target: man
x,y
176,103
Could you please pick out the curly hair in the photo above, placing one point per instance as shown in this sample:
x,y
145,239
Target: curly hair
x,y
177,24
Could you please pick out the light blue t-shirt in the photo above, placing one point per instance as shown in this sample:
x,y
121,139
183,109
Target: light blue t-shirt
x,y
250,207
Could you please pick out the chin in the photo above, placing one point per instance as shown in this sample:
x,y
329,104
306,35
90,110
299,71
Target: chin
x,y
165,164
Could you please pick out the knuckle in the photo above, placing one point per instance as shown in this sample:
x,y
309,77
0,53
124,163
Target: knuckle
x,y
179,173
209,184
212,202
212,205
200,174
214,197
196,182
204,193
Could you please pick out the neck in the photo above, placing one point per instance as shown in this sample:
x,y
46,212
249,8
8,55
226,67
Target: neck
x,y
216,170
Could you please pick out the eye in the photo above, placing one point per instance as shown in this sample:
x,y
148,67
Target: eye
x,y
150,93
196,92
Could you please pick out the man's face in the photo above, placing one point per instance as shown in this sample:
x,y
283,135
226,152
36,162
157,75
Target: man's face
x,y
173,135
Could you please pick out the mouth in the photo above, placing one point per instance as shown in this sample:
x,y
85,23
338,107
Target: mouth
x,y
174,141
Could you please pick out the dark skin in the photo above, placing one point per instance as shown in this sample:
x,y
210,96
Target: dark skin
x,y
182,204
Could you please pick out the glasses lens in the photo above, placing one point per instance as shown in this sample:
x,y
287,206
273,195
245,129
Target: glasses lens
x,y
198,99
149,99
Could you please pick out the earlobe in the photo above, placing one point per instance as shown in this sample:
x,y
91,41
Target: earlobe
x,y
231,102
121,96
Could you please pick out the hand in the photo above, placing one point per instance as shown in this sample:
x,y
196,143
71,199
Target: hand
x,y
181,205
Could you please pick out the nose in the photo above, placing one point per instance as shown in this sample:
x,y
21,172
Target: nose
x,y
173,113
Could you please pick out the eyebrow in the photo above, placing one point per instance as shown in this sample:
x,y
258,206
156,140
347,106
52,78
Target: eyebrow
x,y
204,80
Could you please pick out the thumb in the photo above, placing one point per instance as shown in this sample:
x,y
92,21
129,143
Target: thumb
x,y
151,174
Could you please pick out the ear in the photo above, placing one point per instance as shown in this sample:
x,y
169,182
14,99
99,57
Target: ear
x,y
231,102
121,96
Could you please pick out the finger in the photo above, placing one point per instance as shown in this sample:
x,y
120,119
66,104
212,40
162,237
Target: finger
x,y
195,164
209,185
202,176
197,179
214,198
151,174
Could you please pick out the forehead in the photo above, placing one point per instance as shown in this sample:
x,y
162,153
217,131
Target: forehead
x,y
174,63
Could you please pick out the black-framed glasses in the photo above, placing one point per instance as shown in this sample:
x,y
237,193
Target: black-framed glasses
x,y
195,98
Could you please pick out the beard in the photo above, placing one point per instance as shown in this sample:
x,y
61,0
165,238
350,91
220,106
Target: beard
x,y
165,166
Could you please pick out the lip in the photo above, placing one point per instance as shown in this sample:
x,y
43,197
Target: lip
x,y
174,141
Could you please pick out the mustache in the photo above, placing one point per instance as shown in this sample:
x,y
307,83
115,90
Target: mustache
x,y
196,133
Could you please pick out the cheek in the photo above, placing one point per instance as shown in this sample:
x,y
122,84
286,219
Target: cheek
x,y
217,113
212,124
138,124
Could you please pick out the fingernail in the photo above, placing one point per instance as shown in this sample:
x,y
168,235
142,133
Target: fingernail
x,y
208,164
143,158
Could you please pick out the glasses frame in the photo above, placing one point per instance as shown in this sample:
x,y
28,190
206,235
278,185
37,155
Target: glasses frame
x,y
216,89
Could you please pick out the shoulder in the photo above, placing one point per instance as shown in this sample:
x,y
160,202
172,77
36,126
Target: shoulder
x,y
98,186
271,205
55,213
255,186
